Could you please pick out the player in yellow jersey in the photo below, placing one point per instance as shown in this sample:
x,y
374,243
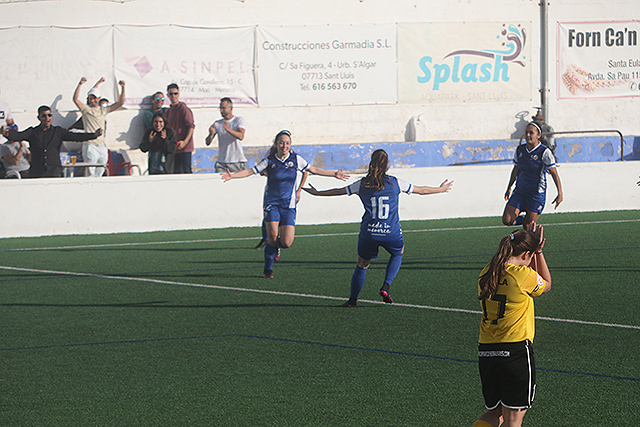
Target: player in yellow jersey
x,y
506,287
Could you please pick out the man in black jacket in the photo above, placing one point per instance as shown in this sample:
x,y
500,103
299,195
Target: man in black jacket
x,y
45,141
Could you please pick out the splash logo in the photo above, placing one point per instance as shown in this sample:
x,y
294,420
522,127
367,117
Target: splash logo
x,y
494,68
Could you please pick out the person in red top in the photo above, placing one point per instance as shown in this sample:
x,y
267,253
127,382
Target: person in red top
x,y
180,119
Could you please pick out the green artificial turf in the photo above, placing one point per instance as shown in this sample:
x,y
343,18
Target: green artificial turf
x,y
179,328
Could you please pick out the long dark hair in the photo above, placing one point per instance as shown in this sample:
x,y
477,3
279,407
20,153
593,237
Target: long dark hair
x,y
274,149
378,166
514,244
543,140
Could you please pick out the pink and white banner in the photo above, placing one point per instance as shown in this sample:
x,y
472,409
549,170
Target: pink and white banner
x,y
598,59
207,64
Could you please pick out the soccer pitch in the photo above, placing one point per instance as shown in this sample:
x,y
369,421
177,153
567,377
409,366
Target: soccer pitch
x,y
179,328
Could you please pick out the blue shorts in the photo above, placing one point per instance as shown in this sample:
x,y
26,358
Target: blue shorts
x,y
276,213
532,203
368,248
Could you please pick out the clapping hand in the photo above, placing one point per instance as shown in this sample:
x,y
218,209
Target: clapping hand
x,y
538,234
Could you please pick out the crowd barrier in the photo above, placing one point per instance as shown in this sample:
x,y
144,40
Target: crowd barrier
x,y
116,204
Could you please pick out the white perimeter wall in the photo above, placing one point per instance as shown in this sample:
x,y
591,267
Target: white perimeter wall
x,y
348,124
151,203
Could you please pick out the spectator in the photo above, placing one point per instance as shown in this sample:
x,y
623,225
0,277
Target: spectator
x,y
230,131
94,117
6,118
45,141
160,142
157,106
180,119
14,159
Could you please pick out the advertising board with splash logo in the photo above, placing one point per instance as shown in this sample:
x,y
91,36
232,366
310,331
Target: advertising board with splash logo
x,y
464,62
207,64
598,59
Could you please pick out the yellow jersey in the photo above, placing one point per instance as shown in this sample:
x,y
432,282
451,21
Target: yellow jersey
x,y
509,315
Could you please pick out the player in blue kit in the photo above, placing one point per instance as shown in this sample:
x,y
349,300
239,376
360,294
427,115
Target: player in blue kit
x,y
279,208
531,163
380,224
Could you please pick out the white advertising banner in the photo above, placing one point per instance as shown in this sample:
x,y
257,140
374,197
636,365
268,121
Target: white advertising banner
x,y
327,65
207,64
598,59
49,63
459,62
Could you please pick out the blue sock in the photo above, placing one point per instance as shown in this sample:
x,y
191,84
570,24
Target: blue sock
x,y
269,256
393,266
519,220
264,230
357,281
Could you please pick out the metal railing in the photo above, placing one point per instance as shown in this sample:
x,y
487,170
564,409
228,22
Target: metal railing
x,y
573,132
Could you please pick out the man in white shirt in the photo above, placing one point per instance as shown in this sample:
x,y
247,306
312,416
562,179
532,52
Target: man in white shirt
x,y
94,117
230,130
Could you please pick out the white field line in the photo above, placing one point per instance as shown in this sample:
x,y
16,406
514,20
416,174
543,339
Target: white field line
x,y
292,294
236,239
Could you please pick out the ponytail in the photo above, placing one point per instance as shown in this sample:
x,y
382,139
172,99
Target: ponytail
x,y
515,244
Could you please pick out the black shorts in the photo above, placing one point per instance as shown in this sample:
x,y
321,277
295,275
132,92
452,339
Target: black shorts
x,y
508,374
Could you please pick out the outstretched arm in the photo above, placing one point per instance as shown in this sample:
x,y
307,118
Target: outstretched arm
x,y
341,175
240,174
332,192
443,188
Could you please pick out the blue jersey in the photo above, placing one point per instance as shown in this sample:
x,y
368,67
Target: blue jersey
x,y
281,179
532,168
380,220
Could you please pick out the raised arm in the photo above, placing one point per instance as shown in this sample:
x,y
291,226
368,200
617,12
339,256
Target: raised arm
x,y
212,133
341,175
538,263
76,94
332,192
443,188
121,98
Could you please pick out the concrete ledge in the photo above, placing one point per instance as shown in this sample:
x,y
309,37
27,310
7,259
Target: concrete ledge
x,y
153,203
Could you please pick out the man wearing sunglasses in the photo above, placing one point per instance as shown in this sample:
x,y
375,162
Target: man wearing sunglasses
x,y
180,119
45,141
157,106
